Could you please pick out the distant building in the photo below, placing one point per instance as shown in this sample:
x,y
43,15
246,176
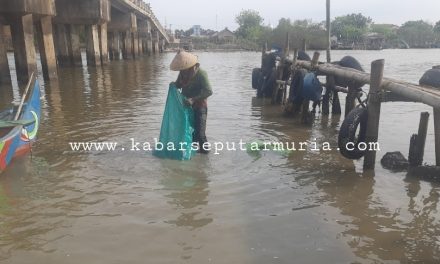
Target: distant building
x,y
196,31
186,44
334,42
224,36
373,41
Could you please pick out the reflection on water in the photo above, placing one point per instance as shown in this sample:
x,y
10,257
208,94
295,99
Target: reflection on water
x,y
128,206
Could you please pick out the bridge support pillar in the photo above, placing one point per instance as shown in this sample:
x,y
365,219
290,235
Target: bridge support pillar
x,y
103,45
22,30
162,45
5,74
47,48
149,44
156,42
93,51
126,45
110,41
62,45
135,43
144,27
114,49
140,44
75,45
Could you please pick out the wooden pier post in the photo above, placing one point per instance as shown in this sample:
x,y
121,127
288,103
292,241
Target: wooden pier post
x,y
350,99
315,59
417,144
330,80
263,53
47,48
280,71
304,45
374,102
329,87
305,118
437,135
336,104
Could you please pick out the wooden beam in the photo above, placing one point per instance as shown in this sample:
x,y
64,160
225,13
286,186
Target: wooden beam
x,y
427,95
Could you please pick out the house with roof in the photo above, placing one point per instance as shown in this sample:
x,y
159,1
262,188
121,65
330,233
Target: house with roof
x,y
224,36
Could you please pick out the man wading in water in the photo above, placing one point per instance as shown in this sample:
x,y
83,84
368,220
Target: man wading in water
x,y
196,88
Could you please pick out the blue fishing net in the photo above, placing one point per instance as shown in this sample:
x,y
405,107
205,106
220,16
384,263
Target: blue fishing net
x,y
312,88
177,128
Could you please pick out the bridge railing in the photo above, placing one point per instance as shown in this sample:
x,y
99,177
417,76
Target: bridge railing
x,y
146,8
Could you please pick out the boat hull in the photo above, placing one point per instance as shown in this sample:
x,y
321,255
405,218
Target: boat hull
x,y
18,140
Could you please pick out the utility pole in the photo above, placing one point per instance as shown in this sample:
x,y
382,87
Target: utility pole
x,y
329,44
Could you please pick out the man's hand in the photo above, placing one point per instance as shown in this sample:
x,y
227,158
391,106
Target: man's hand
x,y
189,101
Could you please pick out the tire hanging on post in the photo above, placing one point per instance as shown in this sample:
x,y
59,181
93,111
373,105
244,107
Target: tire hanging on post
x,y
256,78
348,138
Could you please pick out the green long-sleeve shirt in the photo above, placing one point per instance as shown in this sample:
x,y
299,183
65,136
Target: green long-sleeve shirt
x,y
198,88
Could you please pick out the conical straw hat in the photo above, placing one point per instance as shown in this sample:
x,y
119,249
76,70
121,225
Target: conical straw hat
x,y
183,60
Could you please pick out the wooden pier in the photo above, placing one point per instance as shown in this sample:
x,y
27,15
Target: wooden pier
x,y
382,89
110,28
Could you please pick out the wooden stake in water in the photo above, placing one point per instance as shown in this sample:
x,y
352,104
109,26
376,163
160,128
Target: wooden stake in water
x,y
417,147
374,101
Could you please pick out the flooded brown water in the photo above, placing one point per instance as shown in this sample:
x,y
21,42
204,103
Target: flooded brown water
x,y
126,206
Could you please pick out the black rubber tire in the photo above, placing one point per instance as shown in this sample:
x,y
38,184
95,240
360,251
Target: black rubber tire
x,y
349,62
347,133
296,87
302,55
256,73
269,62
431,78
269,84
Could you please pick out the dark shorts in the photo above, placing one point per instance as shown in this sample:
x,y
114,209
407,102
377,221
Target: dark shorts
x,y
200,116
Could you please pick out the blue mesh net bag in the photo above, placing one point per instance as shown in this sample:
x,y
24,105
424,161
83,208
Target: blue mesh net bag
x,y
177,128
312,88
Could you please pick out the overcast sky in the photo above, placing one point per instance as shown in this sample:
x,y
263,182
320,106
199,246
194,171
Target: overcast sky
x,y
217,14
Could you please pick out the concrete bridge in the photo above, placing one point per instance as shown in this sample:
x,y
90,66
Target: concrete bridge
x,y
58,29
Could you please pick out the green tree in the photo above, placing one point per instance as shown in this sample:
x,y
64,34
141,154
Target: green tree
x,y
437,33
351,27
387,30
418,34
437,27
250,24
298,30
